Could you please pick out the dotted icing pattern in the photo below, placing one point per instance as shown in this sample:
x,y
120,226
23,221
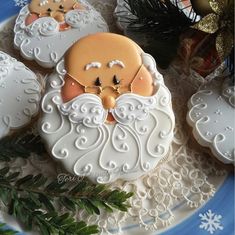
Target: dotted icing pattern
x,y
45,42
211,114
78,135
20,94
185,172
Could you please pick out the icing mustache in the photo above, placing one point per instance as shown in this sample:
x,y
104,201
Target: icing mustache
x,y
73,18
88,109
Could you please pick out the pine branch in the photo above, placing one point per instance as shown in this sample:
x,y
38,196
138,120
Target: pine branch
x,y
33,201
161,22
162,17
4,231
20,146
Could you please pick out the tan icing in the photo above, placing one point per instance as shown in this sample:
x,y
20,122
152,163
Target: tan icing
x,y
97,52
143,83
56,12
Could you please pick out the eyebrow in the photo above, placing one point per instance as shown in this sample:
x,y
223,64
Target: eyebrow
x,y
93,65
43,2
116,62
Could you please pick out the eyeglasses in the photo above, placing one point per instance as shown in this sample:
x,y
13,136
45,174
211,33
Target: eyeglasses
x,y
118,89
98,90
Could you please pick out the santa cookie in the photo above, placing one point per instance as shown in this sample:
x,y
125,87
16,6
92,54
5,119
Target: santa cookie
x,y
106,112
211,114
45,29
20,94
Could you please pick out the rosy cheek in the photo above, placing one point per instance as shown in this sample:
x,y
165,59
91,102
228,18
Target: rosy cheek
x,y
143,83
31,18
71,89
64,26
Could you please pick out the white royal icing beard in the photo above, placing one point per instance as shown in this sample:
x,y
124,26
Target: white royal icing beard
x,y
77,133
43,41
19,94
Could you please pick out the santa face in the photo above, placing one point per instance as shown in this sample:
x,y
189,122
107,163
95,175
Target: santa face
x,y
52,8
76,109
44,35
107,73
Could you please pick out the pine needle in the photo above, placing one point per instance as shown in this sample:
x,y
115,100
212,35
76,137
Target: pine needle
x,y
20,146
33,201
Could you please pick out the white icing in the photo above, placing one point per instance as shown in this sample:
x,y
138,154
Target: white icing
x,y
78,136
116,62
19,94
93,65
5,66
86,109
211,114
42,41
43,2
228,92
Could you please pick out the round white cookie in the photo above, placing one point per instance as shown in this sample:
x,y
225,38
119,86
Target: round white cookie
x,y
211,115
20,94
44,41
77,132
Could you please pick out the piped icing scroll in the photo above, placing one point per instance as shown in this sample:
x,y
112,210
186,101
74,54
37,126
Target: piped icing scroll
x,y
45,29
20,94
107,122
211,115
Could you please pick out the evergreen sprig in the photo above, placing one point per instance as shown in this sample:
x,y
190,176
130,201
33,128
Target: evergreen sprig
x,y
161,22
4,231
165,18
20,146
32,200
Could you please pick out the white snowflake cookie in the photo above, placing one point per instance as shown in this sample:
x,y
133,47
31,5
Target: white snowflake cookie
x,y
106,113
44,30
211,114
20,94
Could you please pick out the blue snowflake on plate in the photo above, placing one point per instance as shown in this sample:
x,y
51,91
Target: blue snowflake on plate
x,y
210,222
20,3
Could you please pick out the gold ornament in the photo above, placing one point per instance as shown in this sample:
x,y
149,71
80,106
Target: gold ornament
x,y
221,23
201,7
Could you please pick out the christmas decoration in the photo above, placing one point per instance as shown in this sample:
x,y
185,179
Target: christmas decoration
x,y
201,7
197,52
220,23
160,23
174,35
38,202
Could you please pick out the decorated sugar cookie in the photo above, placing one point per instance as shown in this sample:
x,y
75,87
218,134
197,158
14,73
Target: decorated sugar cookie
x,y
20,94
106,112
45,29
211,114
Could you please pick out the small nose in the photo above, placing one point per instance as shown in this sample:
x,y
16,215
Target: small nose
x,y
109,102
58,16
